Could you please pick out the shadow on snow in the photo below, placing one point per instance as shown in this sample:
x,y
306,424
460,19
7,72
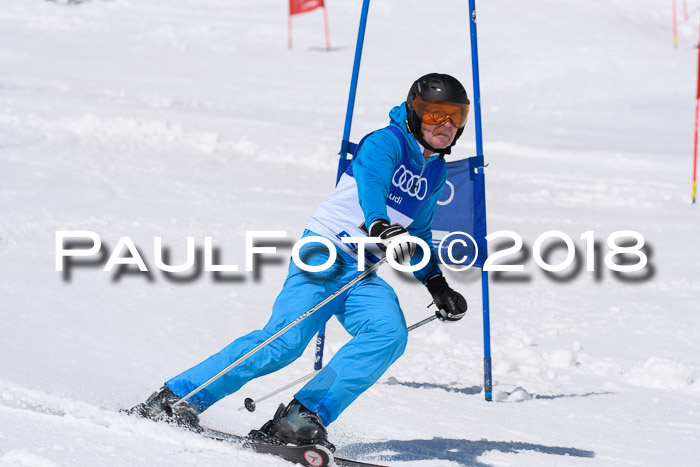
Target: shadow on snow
x,y
461,451
473,390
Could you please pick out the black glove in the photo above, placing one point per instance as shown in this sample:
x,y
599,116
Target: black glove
x,y
451,305
382,229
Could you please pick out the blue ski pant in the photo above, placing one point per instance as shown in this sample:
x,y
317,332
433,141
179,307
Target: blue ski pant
x,y
369,310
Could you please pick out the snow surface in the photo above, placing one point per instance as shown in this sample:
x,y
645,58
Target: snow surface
x,y
191,118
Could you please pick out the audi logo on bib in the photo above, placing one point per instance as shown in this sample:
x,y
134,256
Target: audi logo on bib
x,y
410,183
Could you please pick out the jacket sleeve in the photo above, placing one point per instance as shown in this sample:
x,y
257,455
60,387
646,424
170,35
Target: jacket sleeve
x,y
421,227
373,167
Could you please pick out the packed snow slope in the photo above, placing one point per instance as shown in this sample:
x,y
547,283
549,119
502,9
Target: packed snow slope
x,y
192,118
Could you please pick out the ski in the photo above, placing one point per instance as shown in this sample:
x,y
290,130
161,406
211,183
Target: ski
x,y
310,456
341,461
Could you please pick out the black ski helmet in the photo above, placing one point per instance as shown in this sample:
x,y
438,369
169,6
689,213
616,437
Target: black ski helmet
x,y
436,87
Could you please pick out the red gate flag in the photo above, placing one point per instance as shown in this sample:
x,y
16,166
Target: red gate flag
x,y
302,6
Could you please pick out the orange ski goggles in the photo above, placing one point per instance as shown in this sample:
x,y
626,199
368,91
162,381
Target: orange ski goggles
x,y
437,112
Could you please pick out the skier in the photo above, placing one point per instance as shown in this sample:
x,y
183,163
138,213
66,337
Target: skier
x,y
389,191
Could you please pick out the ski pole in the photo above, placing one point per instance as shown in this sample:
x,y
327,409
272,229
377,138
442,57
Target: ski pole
x,y
283,330
421,323
250,404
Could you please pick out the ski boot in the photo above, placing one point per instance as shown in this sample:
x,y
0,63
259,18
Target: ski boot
x,y
159,407
294,424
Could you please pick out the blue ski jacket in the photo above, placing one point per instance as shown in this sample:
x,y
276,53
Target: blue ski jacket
x,y
388,179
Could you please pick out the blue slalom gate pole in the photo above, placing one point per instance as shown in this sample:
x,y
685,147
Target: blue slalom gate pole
x,y
481,177
346,146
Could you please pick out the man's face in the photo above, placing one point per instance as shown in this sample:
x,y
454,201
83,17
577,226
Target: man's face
x,y
439,136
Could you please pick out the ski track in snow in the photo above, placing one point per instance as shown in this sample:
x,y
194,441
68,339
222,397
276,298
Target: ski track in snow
x,y
48,430
192,118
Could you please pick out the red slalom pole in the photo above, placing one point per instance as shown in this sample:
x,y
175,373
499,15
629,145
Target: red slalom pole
x,y
685,10
325,24
675,26
695,146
